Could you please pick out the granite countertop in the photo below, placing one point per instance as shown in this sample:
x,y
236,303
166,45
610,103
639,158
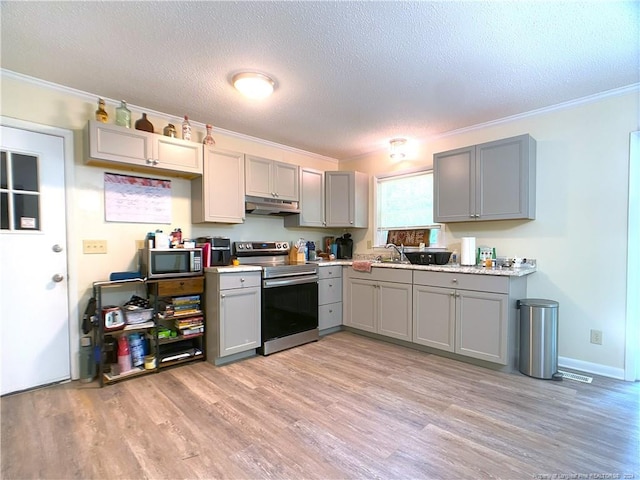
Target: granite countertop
x,y
505,272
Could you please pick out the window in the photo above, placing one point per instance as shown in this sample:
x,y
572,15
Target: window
x,y
404,201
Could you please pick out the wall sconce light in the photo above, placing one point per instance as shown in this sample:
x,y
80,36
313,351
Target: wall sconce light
x,y
253,84
398,148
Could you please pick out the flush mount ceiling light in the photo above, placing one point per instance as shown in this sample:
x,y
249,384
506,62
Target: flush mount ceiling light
x,y
253,84
397,148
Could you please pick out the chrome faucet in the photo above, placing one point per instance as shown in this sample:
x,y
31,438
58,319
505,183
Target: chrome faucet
x,y
403,257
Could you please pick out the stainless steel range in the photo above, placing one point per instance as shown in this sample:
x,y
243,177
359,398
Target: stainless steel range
x,y
289,295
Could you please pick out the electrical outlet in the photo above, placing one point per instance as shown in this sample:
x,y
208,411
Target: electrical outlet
x,y
596,337
139,244
368,244
94,246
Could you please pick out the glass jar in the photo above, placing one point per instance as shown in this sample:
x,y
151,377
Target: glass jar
x,y
123,115
169,131
101,113
208,139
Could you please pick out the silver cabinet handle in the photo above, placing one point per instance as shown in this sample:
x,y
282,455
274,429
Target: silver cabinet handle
x,y
57,278
56,248
241,280
222,295
452,294
455,280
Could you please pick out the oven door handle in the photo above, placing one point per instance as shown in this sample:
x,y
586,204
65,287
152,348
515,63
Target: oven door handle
x,y
285,282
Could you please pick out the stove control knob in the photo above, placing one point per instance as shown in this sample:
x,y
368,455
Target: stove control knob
x,y
285,246
248,246
278,246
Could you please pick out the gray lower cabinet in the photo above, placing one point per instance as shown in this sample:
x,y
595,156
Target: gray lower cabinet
x,y
490,181
329,297
234,303
379,302
472,315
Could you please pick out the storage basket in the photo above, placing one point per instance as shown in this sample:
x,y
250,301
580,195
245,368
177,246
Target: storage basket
x,y
140,315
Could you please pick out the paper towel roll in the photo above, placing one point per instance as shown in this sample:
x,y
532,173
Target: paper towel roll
x,y
468,251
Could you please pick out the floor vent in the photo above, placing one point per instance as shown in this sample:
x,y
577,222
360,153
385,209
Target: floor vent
x,y
576,377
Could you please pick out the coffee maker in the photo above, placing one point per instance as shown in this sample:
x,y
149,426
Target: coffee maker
x,y
345,246
220,248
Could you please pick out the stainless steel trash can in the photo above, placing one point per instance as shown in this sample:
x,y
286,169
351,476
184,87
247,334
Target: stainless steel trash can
x,y
539,338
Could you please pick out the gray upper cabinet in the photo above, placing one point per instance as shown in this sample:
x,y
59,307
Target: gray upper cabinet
x,y
218,195
311,200
347,199
115,146
490,181
270,179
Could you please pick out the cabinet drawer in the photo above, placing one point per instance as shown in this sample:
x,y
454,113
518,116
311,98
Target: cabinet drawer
x,y
186,286
383,274
239,280
329,291
329,315
462,281
334,271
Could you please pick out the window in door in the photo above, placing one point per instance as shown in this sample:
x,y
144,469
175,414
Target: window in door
x,y
19,191
405,201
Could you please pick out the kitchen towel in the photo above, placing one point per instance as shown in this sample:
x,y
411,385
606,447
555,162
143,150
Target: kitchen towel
x,y
468,251
361,265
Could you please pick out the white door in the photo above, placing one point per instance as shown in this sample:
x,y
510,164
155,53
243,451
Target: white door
x,y
34,311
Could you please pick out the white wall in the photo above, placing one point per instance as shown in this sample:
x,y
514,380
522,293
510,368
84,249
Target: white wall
x,y
580,231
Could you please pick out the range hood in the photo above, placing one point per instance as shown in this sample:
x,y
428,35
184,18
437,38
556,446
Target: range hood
x,y
270,206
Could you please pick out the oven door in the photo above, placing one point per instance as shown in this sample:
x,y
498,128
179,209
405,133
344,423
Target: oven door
x,y
289,306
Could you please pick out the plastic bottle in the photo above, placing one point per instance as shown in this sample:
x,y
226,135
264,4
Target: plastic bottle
x,y
186,128
124,356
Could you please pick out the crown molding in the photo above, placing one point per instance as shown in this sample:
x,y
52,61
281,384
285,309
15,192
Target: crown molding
x,y
634,87
134,108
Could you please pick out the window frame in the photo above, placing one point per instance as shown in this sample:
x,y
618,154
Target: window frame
x,y
404,173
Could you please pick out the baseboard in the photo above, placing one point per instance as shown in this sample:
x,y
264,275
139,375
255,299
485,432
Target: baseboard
x,y
588,367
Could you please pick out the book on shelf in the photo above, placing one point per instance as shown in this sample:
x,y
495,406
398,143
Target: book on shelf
x,y
189,322
184,313
186,300
186,307
190,332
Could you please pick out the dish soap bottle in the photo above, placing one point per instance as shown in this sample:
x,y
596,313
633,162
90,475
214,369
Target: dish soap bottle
x,y
186,128
101,113
123,115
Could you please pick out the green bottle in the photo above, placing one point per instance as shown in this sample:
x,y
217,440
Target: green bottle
x,y
123,115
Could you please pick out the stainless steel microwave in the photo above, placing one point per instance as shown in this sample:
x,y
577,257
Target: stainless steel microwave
x,y
171,262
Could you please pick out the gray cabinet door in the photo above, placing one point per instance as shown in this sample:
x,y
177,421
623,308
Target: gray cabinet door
x,y
505,176
239,320
482,321
454,185
434,319
347,199
394,310
360,305
311,200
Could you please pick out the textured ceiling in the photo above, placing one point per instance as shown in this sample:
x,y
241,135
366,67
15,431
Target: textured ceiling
x,y
349,75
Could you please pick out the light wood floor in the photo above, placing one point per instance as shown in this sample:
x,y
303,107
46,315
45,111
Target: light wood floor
x,y
344,407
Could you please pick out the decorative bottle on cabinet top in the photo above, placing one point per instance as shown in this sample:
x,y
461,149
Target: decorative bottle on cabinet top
x,y
186,128
208,139
123,115
101,113
144,124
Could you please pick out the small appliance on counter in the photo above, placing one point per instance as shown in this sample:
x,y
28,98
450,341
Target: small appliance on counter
x,y
218,253
345,247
